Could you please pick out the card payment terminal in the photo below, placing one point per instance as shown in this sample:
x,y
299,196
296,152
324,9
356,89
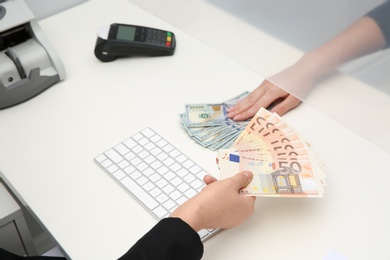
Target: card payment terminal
x,y
118,40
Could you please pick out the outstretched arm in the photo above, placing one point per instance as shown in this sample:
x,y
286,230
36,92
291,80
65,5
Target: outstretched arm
x,y
363,37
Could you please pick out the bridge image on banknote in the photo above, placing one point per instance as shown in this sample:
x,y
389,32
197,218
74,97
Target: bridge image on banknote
x,y
286,181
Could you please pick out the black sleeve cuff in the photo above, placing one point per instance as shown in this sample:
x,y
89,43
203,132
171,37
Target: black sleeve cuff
x,y
381,15
171,238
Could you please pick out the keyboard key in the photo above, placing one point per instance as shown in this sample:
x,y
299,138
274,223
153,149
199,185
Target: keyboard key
x,y
142,166
156,151
129,169
161,143
169,161
130,143
182,172
189,178
147,172
100,158
122,149
181,158
169,175
137,149
175,167
174,153
169,204
148,132
155,177
142,180
161,183
156,164
149,159
143,154
162,156
155,138
194,169
168,189
148,186
135,161
137,136
175,195
123,164
155,192
130,156
183,187
106,163
112,168
143,196
114,156
135,175
168,148
160,212
149,146
143,141
119,174
162,198
188,164
176,181
162,170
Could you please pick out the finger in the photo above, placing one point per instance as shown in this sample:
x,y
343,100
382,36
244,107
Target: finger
x,y
247,113
242,179
286,105
266,100
247,102
208,179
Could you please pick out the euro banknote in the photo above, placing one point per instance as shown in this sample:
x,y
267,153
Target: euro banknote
x,y
281,161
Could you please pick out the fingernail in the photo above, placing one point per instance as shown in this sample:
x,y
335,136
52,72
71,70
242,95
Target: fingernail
x,y
248,174
237,117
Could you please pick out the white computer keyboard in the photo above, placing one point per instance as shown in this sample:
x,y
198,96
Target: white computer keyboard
x,y
155,173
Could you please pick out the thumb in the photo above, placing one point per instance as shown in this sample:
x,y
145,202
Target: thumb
x,y
242,179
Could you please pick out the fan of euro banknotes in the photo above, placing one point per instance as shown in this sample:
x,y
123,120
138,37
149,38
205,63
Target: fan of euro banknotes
x,y
281,161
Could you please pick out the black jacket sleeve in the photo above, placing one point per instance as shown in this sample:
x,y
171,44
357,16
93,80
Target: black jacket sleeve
x,y
381,16
169,239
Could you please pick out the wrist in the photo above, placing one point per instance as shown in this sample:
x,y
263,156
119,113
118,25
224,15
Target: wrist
x,y
190,216
313,66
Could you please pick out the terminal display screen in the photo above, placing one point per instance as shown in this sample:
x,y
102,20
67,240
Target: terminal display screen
x,y
126,33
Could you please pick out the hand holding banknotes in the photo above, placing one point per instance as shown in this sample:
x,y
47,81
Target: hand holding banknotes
x,y
219,204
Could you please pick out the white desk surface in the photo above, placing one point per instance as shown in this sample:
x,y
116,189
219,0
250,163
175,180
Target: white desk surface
x,y
47,146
